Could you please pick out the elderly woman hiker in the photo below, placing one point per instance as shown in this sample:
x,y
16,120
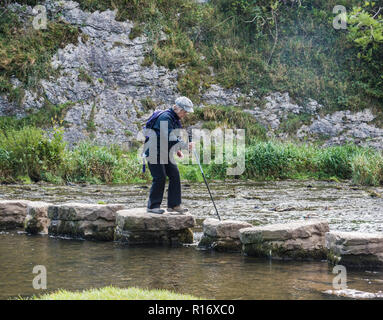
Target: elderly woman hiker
x,y
161,162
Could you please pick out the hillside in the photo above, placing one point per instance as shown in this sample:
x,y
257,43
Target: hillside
x,y
277,68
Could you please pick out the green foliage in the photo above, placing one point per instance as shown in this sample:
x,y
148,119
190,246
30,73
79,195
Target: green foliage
x,y
336,161
49,115
367,169
270,160
366,30
148,104
88,162
84,76
227,117
29,152
266,45
25,53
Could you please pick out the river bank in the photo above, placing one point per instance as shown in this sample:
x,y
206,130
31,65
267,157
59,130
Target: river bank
x,y
31,155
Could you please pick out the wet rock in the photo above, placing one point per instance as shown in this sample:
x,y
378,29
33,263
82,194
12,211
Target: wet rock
x,y
294,240
222,235
86,221
13,213
374,194
355,294
37,220
136,226
355,249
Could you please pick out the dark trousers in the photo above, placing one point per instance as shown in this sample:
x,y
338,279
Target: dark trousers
x,y
159,173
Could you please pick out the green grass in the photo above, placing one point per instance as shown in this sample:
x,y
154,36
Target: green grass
x,y
25,53
227,117
113,293
29,154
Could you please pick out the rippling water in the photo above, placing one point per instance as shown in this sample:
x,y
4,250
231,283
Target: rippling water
x,y
76,265
73,264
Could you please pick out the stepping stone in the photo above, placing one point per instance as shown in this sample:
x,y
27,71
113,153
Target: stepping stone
x,y
222,235
37,220
355,249
84,221
13,213
296,240
136,226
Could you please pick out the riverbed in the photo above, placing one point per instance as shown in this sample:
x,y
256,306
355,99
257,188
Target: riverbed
x,y
75,264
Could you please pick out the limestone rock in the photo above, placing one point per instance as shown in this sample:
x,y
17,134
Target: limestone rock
x,y
295,240
136,226
355,249
12,213
222,235
37,220
86,221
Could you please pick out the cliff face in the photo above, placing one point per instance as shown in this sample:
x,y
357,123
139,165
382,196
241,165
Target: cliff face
x,y
103,81
108,91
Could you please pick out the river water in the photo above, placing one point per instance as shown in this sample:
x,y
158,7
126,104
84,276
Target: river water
x,y
74,264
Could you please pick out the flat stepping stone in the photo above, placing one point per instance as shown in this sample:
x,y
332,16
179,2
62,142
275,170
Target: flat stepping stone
x,y
13,213
85,221
355,249
222,235
37,220
296,240
136,226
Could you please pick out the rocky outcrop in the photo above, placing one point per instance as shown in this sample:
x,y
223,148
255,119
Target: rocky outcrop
x,y
278,107
222,235
37,220
344,126
355,249
335,128
106,86
85,221
295,240
104,81
13,213
136,226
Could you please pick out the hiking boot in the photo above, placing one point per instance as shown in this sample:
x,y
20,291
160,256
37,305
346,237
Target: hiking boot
x,y
177,210
155,210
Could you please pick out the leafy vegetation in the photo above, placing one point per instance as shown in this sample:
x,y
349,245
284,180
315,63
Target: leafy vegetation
x,y
266,45
30,155
25,53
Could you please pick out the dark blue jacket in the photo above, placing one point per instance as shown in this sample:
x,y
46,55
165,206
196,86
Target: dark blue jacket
x,y
173,123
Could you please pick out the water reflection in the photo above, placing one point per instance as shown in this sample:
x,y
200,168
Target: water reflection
x,y
78,265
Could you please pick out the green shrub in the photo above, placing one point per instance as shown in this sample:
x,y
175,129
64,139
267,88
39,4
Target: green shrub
x,y
30,152
367,169
88,162
336,161
267,159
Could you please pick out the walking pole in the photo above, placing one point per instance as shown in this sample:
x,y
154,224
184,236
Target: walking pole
x,y
203,175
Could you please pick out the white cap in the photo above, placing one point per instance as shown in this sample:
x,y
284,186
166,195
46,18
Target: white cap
x,y
185,103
